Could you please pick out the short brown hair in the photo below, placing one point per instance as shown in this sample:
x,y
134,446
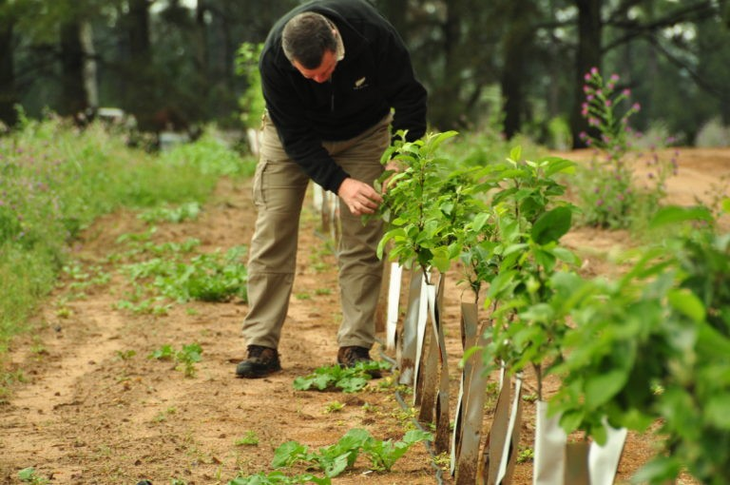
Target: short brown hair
x,y
306,37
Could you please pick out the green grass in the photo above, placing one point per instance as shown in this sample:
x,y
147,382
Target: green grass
x,y
56,180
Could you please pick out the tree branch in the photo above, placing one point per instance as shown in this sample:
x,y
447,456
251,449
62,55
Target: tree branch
x,y
723,96
698,11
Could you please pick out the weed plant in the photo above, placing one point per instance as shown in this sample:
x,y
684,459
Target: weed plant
x,y
186,357
333,460
56,179
611,196
482,148
346,379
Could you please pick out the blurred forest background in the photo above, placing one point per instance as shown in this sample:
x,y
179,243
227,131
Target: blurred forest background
x,y
516,66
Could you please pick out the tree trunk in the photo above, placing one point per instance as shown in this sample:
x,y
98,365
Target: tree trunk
x,y
517,44
8,94
140,88
202,55
396,11
587,57
74,98
445,106
138,29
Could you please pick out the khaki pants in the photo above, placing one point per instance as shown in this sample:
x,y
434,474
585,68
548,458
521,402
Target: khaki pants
x,y
278,192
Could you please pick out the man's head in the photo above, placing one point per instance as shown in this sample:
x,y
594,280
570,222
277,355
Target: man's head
x,y
313,45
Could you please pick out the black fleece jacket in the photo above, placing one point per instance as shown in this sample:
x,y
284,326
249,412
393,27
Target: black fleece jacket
x,y
375,76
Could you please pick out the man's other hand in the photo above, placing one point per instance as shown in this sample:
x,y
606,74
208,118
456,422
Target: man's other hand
x,y
359,197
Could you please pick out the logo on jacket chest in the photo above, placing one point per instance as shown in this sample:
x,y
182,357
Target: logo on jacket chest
x,y
360,83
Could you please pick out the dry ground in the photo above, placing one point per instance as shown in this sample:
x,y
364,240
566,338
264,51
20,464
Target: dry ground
x,y
89,412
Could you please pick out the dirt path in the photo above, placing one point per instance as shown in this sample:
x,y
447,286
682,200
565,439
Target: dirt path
x,y
90,412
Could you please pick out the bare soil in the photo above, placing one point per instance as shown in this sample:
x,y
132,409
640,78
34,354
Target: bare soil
x,y
90,412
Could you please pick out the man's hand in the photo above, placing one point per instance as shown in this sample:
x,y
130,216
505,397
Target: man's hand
x,y
392,166
360,197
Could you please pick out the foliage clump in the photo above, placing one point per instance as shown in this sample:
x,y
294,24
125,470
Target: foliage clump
x,y
347,379
334,459
56,179
611,195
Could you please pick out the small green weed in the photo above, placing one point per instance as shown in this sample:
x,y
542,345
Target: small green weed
x,y
249,439
186,358
144,306
347,379
163,415
279,478
183,212
82,278
7,379
334,407
29,475
205,277
335,459
125,354
443,461
525,455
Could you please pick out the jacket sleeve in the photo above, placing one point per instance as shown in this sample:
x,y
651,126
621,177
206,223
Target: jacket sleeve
x,y
403,91
300,142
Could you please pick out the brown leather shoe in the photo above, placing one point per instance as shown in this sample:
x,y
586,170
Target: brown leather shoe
x,y
261,362
351,356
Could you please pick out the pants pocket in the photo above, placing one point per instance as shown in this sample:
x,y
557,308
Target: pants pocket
x,y
259,194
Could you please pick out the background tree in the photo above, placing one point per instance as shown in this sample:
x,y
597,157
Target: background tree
x,y
518,52
75,98
512,66
8,96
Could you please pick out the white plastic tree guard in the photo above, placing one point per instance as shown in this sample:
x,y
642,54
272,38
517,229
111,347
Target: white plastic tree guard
x,y
500,451
559,463
469,419
406,355
393,306
327,204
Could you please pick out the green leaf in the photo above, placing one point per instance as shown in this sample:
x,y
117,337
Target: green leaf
x,y
479,221
726,205
571,420
440,138
717,413
355,438
676,215
515,154
558,165
26,474
288,453
352,384
661,469
600,388
566,255
337,466
599,434
552,225
688,303
416,435
441,259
